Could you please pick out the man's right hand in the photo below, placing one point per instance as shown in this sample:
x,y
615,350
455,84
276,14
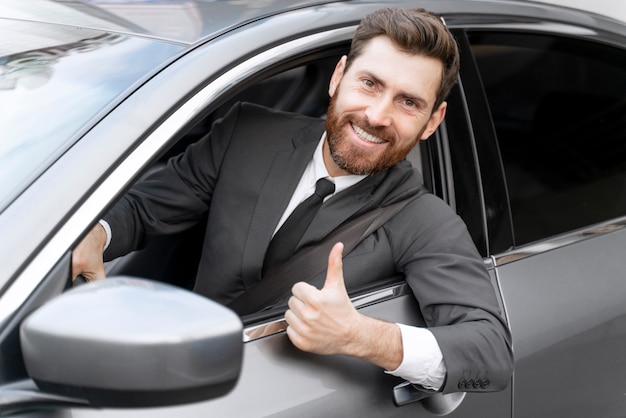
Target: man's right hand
x,y
87,258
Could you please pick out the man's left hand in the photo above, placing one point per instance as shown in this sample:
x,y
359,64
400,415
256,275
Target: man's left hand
x,y
323,321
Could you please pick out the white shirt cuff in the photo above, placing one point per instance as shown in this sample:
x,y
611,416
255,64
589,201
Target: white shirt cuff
x,y
107,229
422,362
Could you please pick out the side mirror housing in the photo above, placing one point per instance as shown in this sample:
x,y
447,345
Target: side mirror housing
x,y
126,342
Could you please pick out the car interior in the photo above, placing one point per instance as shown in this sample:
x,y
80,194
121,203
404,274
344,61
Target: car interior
x,y
302,88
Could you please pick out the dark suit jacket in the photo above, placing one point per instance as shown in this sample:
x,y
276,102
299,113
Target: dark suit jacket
x,y
244,173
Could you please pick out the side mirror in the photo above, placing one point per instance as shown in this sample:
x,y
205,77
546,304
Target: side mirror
x,y
126,342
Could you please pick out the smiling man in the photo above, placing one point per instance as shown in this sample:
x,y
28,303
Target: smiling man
x,y
378,112
257,165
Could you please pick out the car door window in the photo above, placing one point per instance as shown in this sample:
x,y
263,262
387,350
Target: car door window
x,y
558,107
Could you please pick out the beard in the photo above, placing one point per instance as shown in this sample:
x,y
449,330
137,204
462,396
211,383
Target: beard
x,y
350,157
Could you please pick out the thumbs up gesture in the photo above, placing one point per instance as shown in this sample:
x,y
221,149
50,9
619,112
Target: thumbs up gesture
x,y
325,322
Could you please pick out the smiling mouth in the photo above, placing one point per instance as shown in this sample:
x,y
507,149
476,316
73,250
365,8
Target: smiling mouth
x,y
366,136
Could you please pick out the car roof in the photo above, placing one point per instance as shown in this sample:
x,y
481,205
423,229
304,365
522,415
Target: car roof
x,y
189,22
179,21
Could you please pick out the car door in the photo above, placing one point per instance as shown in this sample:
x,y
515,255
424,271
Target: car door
x,y
279,380
557,95
276,379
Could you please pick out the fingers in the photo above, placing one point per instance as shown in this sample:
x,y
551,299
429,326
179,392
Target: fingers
x,y
317,318
334,275
294,323
302,290
97,273
305,303
87,259
90,273
304,310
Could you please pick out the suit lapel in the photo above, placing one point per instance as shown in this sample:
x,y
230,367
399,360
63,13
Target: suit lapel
x,y
281,181
283,176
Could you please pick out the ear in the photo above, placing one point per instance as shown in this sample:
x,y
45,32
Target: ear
x,y
337,76
435,120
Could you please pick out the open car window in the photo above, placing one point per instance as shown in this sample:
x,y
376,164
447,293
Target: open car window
x,y
301,89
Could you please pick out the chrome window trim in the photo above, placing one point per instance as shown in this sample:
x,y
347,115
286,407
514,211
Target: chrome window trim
x,y
559,241
547,28
275,326
571,237
543,27
32,275
490,263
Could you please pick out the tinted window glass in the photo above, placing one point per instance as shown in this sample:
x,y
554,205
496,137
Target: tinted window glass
x,y
559,109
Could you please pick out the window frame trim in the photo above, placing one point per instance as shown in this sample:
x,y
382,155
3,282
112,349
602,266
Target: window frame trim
x,y
588,34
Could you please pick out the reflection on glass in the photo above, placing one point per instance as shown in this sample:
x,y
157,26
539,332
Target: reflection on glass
x,y
49,94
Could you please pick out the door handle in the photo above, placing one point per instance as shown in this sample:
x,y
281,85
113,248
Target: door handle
x,y
434,402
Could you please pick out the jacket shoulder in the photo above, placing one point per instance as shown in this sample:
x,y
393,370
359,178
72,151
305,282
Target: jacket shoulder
x,y
270,115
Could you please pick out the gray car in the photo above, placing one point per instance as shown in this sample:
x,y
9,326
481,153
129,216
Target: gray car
x,y
96,93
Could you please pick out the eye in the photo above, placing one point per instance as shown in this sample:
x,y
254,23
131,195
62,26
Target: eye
x,y
410,103
368,83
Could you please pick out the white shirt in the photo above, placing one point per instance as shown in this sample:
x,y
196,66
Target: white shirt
x,y
422,361
315,170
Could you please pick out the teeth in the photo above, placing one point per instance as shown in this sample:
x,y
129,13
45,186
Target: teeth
x,y
365,136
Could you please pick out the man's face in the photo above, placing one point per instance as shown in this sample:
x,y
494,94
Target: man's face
x,y
380,107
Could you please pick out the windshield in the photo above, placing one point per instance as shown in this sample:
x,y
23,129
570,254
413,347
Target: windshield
x,y
55,81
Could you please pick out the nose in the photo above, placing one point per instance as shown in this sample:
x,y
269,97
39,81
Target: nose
x,y
379,112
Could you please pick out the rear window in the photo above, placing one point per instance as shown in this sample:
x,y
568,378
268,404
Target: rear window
x,y
559,107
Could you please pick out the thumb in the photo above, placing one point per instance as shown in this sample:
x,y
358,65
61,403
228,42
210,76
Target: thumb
x,y
334,275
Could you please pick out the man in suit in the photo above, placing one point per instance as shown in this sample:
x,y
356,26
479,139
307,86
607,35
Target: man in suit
x,y
256,165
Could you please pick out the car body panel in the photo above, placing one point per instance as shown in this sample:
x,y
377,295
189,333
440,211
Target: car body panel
x,y
323,385
565,302
177,21
568,321
564,294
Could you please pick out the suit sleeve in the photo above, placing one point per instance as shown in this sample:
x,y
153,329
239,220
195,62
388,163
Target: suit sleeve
x,y
456,296
174,197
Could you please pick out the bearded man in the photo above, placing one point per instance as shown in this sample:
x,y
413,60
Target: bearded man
x,y
257,165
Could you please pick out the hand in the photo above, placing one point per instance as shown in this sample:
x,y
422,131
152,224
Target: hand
x,y
87,255
325,322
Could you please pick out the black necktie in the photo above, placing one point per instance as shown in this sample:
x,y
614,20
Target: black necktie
x,y
284,243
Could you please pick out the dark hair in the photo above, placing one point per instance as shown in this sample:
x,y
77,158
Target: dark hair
x,y
416,31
